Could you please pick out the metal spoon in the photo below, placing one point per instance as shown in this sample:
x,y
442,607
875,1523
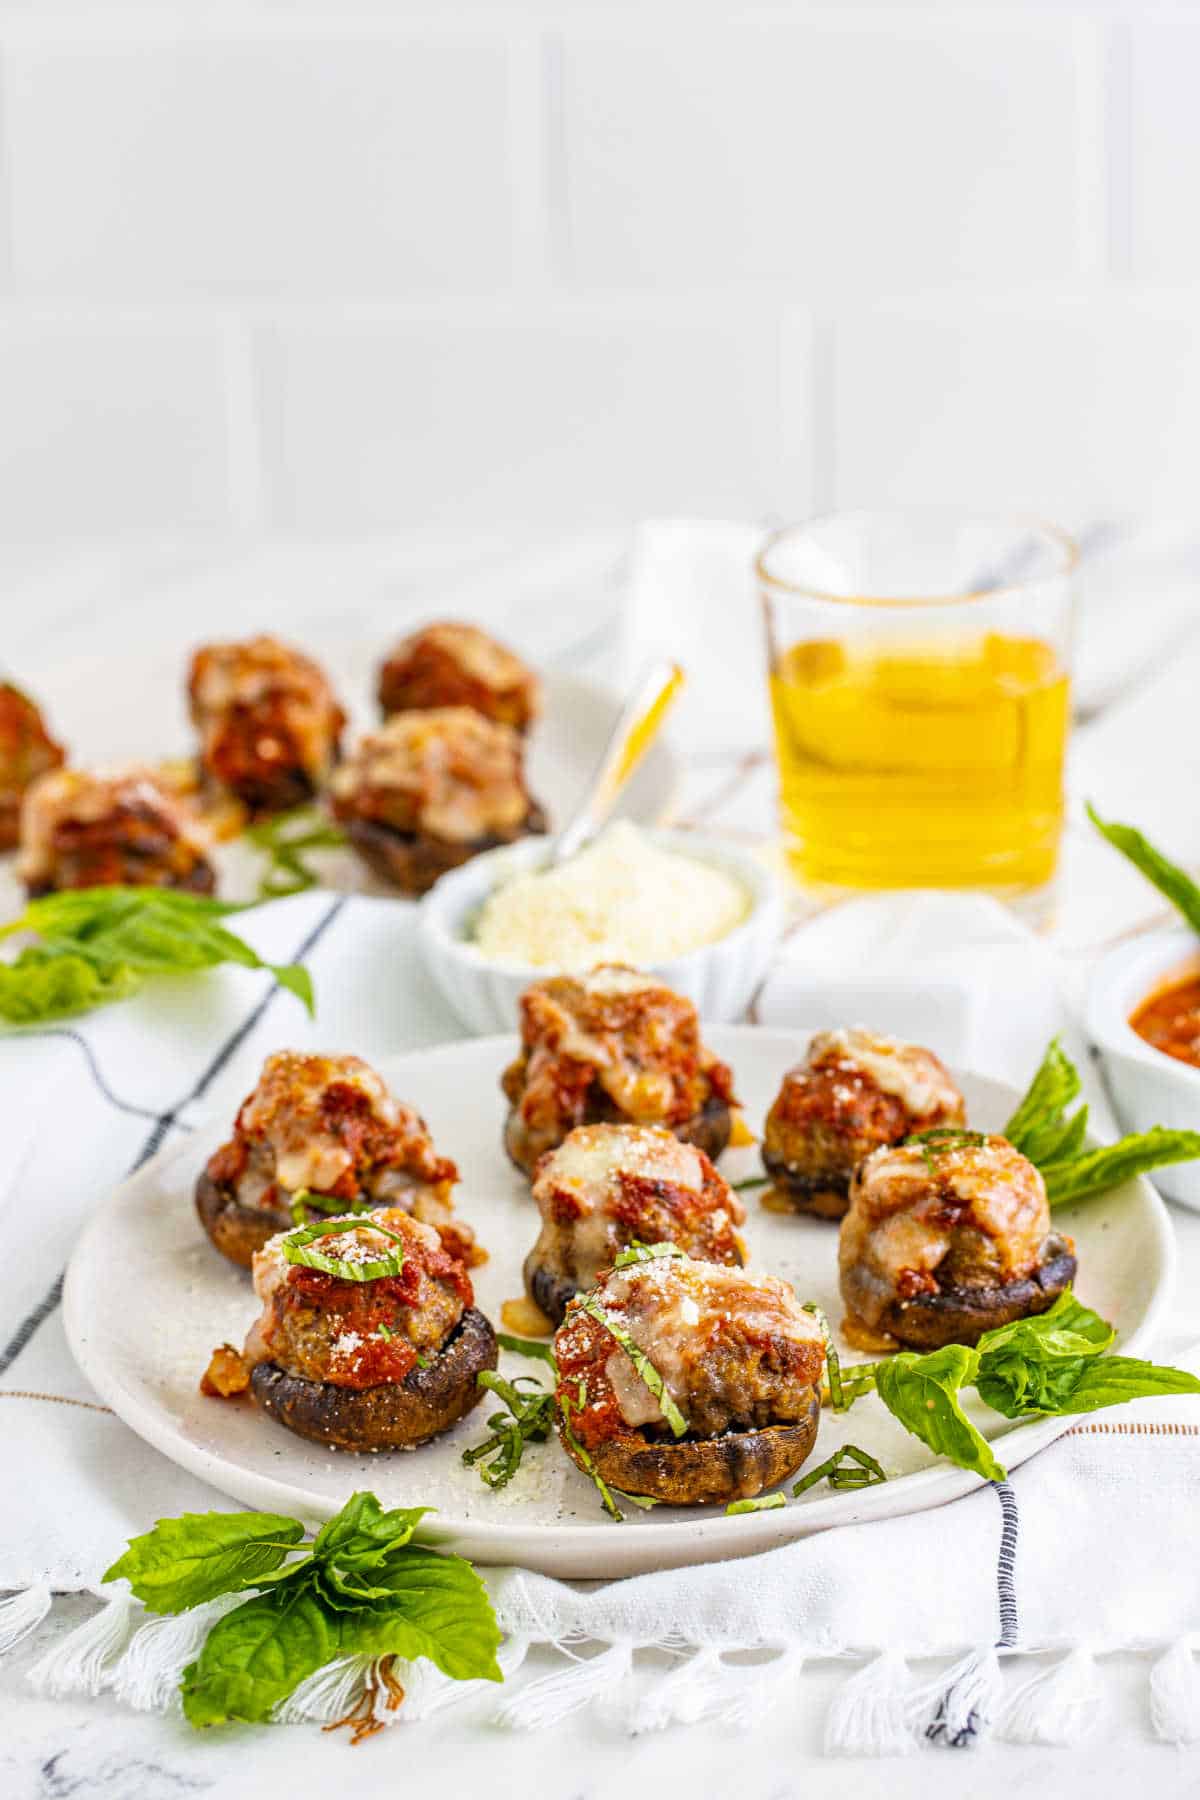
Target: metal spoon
x,y
635,730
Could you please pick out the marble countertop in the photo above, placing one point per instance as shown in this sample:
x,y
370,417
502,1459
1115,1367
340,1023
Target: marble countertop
x,y
1138,755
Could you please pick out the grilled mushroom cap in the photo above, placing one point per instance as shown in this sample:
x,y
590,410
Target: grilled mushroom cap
x,y
413,861
961,1315
394,1415
706,1471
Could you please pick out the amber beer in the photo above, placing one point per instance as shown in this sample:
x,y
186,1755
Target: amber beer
x,y
920,743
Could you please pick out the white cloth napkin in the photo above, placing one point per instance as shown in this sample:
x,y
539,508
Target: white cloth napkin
x,y
1006,1572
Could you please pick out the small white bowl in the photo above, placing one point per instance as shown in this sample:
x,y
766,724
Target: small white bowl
x,y
719,978
1148,1087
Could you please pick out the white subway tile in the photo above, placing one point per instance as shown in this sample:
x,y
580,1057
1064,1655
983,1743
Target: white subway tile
x,y
1072,410
111,426
890,154
556,418
313,165
1164,147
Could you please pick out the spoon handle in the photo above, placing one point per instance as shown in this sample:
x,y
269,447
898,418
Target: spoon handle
x,y
634,732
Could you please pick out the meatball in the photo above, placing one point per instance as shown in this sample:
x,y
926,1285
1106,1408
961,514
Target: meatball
x,y
459,665
948,1238
268,721
323,1328
853,1092
378,1359
429,790
26,751
613,1046
121,827
326,1125
738,1356
607,1185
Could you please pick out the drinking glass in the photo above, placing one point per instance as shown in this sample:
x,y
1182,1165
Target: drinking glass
x,y
920,688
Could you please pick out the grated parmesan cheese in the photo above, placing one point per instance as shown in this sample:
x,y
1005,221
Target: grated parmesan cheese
x,y
623,899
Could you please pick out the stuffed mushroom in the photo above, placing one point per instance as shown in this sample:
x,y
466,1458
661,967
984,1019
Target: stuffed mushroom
x,y
854,1092
322,1134
116,828
689,1382
609,1185
946,1239
448,664
369,1337
430,790
612,1047
268,720
26,751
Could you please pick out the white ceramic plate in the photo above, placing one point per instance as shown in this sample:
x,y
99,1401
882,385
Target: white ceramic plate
x,y
147,1298
564,750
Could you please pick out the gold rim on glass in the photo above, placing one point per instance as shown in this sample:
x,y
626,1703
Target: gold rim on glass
x,y
1053,535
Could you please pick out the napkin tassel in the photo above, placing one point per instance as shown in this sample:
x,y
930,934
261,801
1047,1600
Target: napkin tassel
x,y
1060,1705
870,1716
957,1707
83,1661
1175,1693
553,1697
22,1613
427,1691
148,1674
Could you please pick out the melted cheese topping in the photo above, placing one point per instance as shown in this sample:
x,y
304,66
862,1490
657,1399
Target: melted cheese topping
x,y
480,655
676,1309
912,1074
899,1215
591,1159
285,1111
448,770
87,797
244,674
271,1267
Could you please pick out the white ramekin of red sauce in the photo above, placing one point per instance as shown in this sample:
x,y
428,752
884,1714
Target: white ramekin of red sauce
x,y
1139,1005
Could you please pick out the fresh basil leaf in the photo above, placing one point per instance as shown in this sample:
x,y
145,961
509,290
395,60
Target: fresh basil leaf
x,y
1068,1328
1039,1120
1097,1170
760,1503
55,984
185,1561
1166,876
126,933
257,1654
1111,1380
285,841
438,1608
362,1534
922,1392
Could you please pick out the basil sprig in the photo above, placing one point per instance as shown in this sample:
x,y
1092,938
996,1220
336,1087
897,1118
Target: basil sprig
x,y
1044,1131
298,1249
637,1356
285,841
1051,1365
305,1202
361,1587
1166,876
100,944
528,1418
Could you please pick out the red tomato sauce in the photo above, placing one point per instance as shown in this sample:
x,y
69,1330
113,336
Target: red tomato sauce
x,y
1170,1021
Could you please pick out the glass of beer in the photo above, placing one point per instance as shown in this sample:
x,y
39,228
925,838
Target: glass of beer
x,y
920,687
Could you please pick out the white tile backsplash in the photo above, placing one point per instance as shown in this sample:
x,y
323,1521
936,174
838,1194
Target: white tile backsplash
x,y
113,425
337,266
389,423
1068,410
231,167
901,153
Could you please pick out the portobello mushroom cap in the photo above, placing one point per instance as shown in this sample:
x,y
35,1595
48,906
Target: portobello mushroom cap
x,y
821,1196
704,1471
413,860
961,1315
709,1130
394,1415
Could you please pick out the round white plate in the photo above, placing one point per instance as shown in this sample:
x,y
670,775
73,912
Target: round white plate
x,y
565,748
147,1299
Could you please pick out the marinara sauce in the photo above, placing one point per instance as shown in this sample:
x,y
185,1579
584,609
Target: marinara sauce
x,y
1170,1020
